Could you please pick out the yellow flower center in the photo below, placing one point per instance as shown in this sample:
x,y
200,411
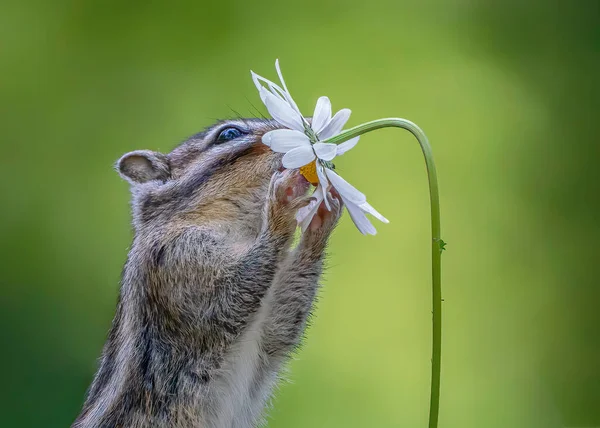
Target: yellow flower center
x,y
309,171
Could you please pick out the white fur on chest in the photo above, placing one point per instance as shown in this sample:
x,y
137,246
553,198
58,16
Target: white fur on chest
x,y
246,380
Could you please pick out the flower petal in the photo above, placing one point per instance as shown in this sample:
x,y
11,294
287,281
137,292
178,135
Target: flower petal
x,y
324,184
336,124
359,218
347,145
278,69
305,211
325,151
286,93
345,189
369,209
322,114
256,79
272,87
298,157
262,92
283,112
284,140
305,214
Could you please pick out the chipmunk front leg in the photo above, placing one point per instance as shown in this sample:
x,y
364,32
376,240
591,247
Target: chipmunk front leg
x,y
295,285
237,288
284,197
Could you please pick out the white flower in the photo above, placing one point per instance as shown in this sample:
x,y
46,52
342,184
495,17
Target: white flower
x,y
303,149
355,201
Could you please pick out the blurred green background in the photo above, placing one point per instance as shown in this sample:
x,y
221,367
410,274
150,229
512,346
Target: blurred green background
x,y
508,93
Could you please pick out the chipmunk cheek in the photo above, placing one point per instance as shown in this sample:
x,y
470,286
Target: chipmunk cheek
x,y
260,148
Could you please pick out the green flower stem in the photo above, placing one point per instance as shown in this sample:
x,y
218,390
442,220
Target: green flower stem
x,y
437,245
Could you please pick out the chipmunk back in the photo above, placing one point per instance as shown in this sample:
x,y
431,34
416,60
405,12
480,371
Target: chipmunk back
x,y
213,298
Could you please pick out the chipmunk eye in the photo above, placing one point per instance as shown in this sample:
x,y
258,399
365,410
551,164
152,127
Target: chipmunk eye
x,y
229,134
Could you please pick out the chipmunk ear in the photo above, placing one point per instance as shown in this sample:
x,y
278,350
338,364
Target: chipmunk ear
x,y
141,166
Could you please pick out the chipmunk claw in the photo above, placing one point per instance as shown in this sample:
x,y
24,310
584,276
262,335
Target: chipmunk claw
x,y
287,186
324,219
285,196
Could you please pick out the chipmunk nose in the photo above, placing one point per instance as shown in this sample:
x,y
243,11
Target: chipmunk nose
x,y
276,161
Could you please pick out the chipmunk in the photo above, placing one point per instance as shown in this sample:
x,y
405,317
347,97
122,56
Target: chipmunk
x,y
213,298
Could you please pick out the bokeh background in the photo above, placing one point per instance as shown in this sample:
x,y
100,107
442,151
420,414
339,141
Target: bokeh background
x,y
508,93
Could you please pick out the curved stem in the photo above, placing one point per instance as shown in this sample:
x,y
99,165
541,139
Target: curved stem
x,y
437,245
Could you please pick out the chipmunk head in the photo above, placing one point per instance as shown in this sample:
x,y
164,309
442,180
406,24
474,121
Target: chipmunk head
x,y
219,177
